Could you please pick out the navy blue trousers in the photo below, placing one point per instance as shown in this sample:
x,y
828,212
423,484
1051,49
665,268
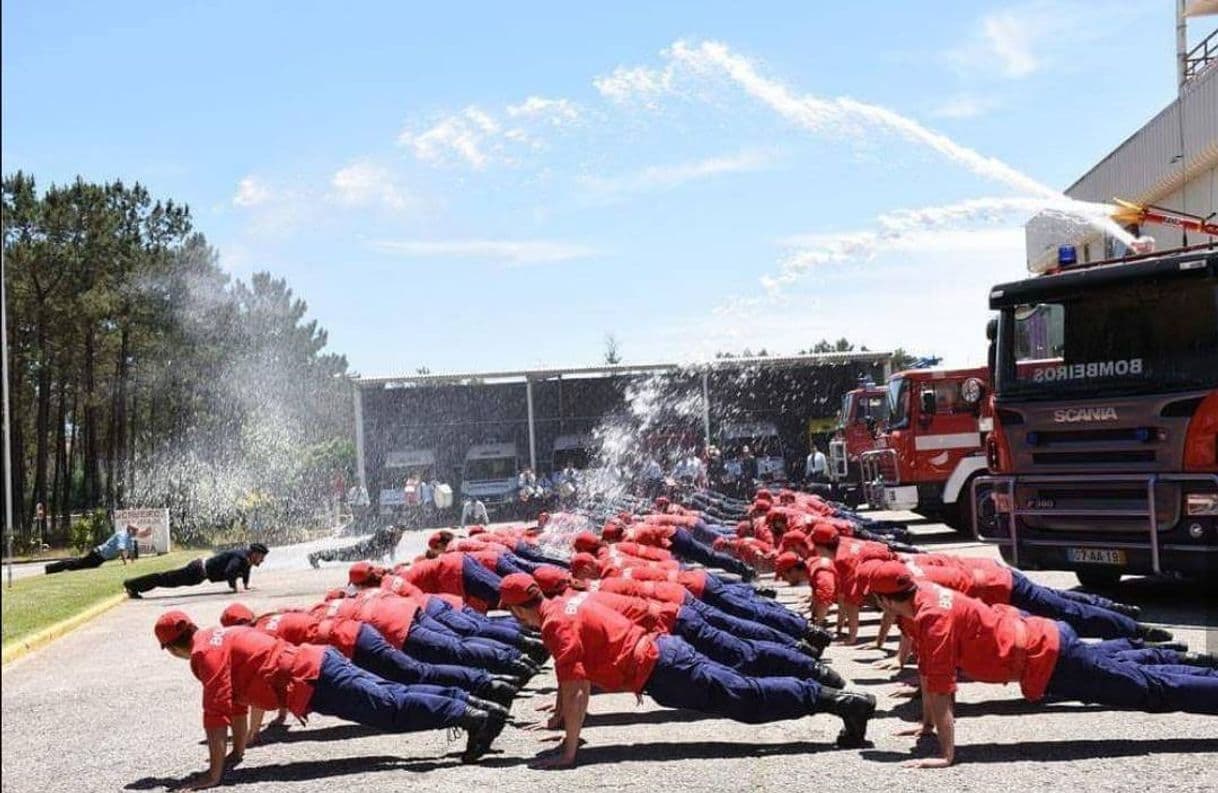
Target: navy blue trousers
x,y
1087,619
738,626
1117,673
470,623
708,533
479,582
740,600
536,555
755,658
686,548
375,654
509,563
353,694
684,678
436,647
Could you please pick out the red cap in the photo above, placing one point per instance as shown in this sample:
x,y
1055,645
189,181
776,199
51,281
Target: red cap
x,y
552,580
763,493
585,563
518,588
784,562
719,544
236,614
361,573
171,625
760,507
586,542
335,594
888,578
612,532
542,519
662,503
744,529
824,534
794,540
474,531
442,537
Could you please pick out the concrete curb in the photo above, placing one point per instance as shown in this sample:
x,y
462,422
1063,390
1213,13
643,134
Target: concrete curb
x,y
36,641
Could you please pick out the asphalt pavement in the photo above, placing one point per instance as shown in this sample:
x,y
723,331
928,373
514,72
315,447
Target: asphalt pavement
x,y
104,709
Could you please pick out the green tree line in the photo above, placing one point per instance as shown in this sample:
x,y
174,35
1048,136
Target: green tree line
x,y
141,374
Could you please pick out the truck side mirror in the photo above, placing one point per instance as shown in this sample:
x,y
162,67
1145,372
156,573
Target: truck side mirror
x,y
928,403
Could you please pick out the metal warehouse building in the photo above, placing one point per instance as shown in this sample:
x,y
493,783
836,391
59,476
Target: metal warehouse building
x,y
447,414
1172,161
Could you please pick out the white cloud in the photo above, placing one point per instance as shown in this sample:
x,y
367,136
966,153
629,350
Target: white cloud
x,y
466,136
558,112
509,252
364,183
636,84
964,106
251,192
663,177
1012,36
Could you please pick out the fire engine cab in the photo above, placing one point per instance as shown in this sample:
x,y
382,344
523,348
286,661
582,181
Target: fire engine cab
x,y
932,444
1105,441
863,411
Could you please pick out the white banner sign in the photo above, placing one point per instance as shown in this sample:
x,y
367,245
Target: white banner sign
x,y
152,526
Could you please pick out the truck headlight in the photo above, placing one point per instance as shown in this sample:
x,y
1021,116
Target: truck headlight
x,y
1201,504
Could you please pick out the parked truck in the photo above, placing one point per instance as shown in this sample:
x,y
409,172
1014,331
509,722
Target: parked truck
x,y
1105,444
489,474
931,446
863,412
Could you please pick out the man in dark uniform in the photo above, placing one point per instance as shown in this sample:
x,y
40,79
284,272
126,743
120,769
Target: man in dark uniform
x,y
224,566
379,545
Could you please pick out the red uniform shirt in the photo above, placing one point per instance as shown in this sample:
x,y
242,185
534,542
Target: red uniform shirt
x,y
440,575
469,545
611,557
652,534
990,644
822,578
850,554
652,616
240,666
663,591
988,580
643,551
300,627
594,643
391,615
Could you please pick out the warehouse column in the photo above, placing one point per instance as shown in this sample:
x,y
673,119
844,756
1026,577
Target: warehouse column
x,y
358,395
528,393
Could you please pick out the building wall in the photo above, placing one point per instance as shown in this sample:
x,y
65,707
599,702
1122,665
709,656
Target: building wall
x,y
1146,169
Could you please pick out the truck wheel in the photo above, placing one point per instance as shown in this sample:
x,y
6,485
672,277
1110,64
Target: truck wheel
x,y
1100,578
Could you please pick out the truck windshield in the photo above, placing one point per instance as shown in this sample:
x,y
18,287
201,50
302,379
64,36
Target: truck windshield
x,y
1126,338
847,415
898,410
493,468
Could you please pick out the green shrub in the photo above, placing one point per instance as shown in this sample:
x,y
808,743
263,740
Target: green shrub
x,y
91,529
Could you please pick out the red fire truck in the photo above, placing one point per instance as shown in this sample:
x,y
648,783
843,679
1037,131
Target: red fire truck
x,y
932,444
863,411
1105,441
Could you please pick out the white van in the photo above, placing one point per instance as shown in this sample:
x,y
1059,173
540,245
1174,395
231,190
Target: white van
x,y
763,441
489,473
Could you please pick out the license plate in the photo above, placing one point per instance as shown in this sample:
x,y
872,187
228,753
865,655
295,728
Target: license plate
x,y
1096,556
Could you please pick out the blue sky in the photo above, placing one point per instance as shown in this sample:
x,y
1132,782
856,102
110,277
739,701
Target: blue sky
x,y
475,186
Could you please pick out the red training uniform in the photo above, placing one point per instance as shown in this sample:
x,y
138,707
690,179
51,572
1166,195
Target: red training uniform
x,y
594,643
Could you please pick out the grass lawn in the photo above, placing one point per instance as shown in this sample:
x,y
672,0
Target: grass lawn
x,y
40,601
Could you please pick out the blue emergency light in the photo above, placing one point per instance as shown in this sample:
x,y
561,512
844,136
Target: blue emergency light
x,y
1066,254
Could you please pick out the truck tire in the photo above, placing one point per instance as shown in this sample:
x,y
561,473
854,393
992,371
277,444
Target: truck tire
x,y
1098,577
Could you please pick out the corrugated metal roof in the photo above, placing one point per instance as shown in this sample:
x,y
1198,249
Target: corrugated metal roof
x,y
719,364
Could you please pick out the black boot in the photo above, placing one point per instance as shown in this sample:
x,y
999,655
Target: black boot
x,y
1151,633
512,680
766,592
1179,647
854,708
1204,660
493,708
826,676
818,637
522,668
483,729
534,649
808,650
498,691
1133,612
